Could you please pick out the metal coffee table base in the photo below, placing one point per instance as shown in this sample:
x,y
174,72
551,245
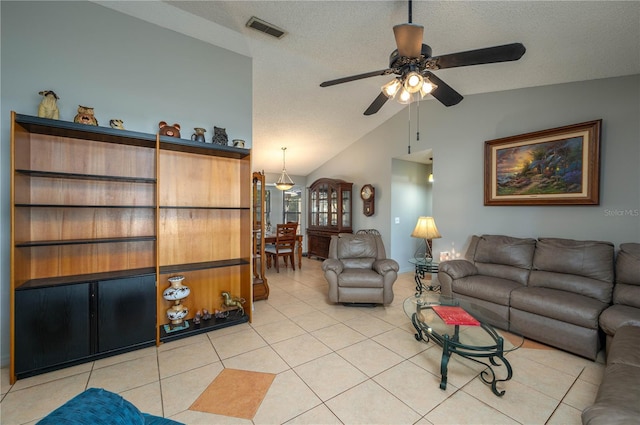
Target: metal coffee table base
x,y
491,356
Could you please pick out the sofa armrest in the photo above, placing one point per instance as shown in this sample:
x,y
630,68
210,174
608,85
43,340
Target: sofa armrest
x,y
332,264
458,269
386,265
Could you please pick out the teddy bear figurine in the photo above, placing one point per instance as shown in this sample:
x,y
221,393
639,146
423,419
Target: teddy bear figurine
x,y
85,116
169,130
48,107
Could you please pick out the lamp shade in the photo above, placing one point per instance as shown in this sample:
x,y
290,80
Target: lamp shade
x,y
426,229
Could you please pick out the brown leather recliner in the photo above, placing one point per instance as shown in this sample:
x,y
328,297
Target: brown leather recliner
x,y
358,270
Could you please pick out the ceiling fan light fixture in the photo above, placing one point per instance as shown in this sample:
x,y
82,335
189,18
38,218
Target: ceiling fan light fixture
x,y
413,82
404,97
427,87
391,88
284,182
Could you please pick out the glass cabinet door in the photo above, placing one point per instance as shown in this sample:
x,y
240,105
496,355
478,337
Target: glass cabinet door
x,y
323,205
334,207
346,208
313,208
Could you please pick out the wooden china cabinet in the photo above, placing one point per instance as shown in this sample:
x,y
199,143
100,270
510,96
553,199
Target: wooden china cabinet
x,y
101,218
260,286
330,206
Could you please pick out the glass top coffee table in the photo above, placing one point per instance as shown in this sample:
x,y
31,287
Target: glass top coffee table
x,y
466,329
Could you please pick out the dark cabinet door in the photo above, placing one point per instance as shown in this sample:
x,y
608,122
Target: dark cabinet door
x,y
126,312
52,326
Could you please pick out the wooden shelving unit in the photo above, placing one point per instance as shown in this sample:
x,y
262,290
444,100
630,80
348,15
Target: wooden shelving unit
x,y
96,208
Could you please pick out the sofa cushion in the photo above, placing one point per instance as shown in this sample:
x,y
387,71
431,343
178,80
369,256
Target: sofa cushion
x,y
360,278
628,264
358,263
590,259
618,315
498,249
501,271
597,289
624,348
559,305
626,294
487,288
356,246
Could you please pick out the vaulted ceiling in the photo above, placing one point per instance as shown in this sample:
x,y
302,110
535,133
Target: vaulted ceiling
x,y
565,41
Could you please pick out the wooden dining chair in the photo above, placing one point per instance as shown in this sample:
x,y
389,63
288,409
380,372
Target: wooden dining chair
x,y
286,235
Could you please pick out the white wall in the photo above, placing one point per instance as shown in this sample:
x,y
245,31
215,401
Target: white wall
x,y
123,67
457,136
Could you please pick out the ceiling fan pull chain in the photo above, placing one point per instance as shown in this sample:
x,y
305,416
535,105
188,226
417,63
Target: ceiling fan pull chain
x,y
418,125
409,132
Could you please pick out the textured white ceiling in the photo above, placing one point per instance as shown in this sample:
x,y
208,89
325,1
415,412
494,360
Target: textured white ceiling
x,y
565,41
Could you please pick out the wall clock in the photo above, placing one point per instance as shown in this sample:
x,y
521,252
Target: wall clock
x,y
368,194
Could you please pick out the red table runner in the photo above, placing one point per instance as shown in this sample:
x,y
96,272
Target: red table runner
x,y
454,315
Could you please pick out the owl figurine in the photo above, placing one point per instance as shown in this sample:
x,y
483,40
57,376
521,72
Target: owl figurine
x,y
85,116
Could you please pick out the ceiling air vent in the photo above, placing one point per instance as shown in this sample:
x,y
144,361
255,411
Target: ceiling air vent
x,y
265,27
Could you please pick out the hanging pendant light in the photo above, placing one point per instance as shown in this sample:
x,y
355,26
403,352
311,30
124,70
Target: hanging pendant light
x,y
284,182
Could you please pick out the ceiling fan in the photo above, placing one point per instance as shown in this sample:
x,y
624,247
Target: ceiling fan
x,y
412,63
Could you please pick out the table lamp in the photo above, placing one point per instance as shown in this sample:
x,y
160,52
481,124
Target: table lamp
x,y
427,230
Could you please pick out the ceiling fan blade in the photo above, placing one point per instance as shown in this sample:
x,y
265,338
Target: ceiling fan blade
x,y
356,77
376,104
444,93
409,39
504,53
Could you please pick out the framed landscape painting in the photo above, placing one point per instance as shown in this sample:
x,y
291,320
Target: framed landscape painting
x,y
560,166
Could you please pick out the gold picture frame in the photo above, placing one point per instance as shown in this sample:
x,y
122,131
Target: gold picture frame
x,y
559,166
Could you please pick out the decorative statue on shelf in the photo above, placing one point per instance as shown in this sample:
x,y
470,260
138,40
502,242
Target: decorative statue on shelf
x,y
116,123
198,136
175,293
48,105
220,136
85,116
230,301
169,130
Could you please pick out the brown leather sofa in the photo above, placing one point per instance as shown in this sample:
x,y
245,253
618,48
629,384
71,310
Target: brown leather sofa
x,y
550,290
619,392
626,292
358,270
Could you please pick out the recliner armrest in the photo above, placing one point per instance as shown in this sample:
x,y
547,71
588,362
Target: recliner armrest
x,y
458,269
386,265
332,264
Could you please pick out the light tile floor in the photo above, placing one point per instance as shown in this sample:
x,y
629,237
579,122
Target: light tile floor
x,y
334,365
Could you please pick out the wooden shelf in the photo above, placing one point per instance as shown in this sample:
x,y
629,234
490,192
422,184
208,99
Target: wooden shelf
x,y
84,278
83,206
31,244
204,326
183,145
112,135
60,128
193,207
77,176
181,268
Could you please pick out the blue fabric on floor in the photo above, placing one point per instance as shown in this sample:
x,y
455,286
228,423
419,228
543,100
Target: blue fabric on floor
x,y
97,406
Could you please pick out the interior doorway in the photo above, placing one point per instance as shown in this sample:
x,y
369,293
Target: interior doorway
x,y
412,197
